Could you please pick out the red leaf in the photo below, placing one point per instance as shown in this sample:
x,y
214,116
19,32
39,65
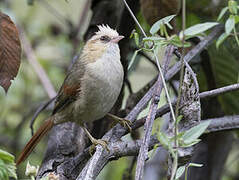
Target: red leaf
x,y
10,51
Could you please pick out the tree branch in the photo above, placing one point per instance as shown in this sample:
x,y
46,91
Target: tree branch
x,y
120,149
31,57
207,94
151,116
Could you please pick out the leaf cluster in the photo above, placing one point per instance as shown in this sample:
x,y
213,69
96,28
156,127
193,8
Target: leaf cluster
x,y
7,166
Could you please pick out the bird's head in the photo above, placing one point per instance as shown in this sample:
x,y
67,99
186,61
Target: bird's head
x,y
104,40
106,35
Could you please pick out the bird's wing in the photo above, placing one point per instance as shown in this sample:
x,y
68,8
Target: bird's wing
x,y
70,88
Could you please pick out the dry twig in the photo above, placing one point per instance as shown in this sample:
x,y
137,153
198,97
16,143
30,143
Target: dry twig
x,y
32,59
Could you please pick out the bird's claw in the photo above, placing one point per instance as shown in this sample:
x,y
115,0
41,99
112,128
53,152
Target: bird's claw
x,y
96,142
125,123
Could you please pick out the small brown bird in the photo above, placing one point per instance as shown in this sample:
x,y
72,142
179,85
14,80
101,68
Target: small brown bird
x,y
89,90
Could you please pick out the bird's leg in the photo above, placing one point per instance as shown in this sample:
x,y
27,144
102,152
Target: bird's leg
x,y
95,142
122,121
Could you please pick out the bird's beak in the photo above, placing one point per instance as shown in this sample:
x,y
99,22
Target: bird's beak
x,y
117,39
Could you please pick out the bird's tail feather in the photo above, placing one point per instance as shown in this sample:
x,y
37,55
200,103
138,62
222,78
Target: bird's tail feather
x,y
45,127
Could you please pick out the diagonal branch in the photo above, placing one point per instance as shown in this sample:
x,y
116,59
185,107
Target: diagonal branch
x,y
32,59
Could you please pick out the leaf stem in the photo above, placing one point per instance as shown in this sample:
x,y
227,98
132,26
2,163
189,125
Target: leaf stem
x,y
165,87
176,143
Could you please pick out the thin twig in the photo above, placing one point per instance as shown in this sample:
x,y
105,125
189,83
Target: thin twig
x,y
175,158
82,18
38,111
83,15
219,91
135,19
128,173
32,59
151,116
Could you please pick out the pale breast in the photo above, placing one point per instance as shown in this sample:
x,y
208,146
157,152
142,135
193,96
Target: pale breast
x,y
102,84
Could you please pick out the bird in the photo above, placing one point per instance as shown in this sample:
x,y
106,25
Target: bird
x,y
90,88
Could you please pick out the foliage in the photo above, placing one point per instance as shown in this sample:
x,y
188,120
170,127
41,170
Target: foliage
x,y
231,22
184,168
7,165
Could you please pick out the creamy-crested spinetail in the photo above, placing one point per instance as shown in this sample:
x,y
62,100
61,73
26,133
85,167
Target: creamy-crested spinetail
x,y
90,89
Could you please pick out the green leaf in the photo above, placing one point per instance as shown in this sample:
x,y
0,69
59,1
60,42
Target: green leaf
x,y
223,11
175,40
162,29
11,168
180,172
232,5
136,38
3,171
195,132
221,39
199,28
153,38
179,118
156,26
45,178
184,145
229,25
194,165
5,156
3,174
236,18
7,165
165,141
133,59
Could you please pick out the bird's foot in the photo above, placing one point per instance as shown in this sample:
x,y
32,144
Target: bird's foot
x,y
96,142
124,122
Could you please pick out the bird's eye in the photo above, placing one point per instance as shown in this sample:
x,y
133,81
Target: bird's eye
x,y
105,38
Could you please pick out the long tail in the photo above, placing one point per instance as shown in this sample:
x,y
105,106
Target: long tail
x,y
48,124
